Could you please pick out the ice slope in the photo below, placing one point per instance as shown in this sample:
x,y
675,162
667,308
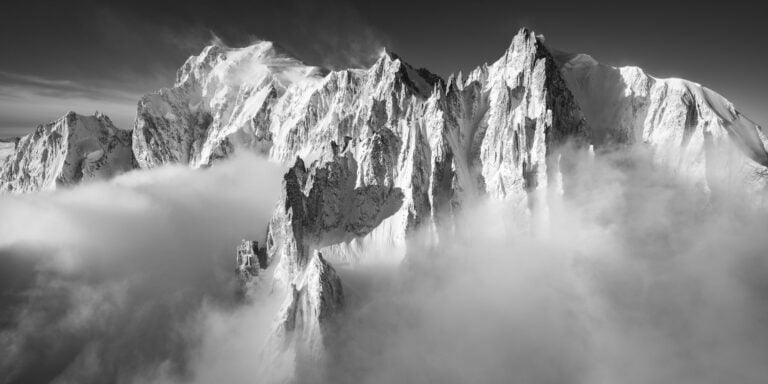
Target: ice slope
x,y
688,127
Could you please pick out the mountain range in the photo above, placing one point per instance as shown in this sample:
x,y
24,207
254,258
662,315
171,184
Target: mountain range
x,y
373,155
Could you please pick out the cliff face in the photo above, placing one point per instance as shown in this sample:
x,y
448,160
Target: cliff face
x,y
314,297
502,131
65,152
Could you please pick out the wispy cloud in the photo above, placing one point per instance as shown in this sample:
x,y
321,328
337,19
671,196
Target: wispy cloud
x,y
131,52
28,100
20,85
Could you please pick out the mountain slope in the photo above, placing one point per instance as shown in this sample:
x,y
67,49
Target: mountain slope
x,y
222,99
501,131
70,150
689,128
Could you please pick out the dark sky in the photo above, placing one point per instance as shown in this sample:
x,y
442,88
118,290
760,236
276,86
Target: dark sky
x,y
88,55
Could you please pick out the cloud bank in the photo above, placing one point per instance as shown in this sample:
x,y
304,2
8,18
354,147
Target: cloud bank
x,y
639,278
107,281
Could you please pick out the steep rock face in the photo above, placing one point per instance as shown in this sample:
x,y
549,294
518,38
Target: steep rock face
x,y
501,131
315,296
351,103
67,151
249,259
687,127
335,201
319,205
322,206
379,109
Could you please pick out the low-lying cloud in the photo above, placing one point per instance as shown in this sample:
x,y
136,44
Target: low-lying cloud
x,y
640,278
107,281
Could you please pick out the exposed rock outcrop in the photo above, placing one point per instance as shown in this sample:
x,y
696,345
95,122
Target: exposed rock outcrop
x,y
249,259
314,297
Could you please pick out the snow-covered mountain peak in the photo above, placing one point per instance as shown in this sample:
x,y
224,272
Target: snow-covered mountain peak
x,y
421,80
524,50
689,127
523,39
247,65
69,150
218,102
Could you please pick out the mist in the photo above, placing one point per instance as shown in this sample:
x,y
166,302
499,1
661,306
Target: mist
x,y
640,277
110,281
